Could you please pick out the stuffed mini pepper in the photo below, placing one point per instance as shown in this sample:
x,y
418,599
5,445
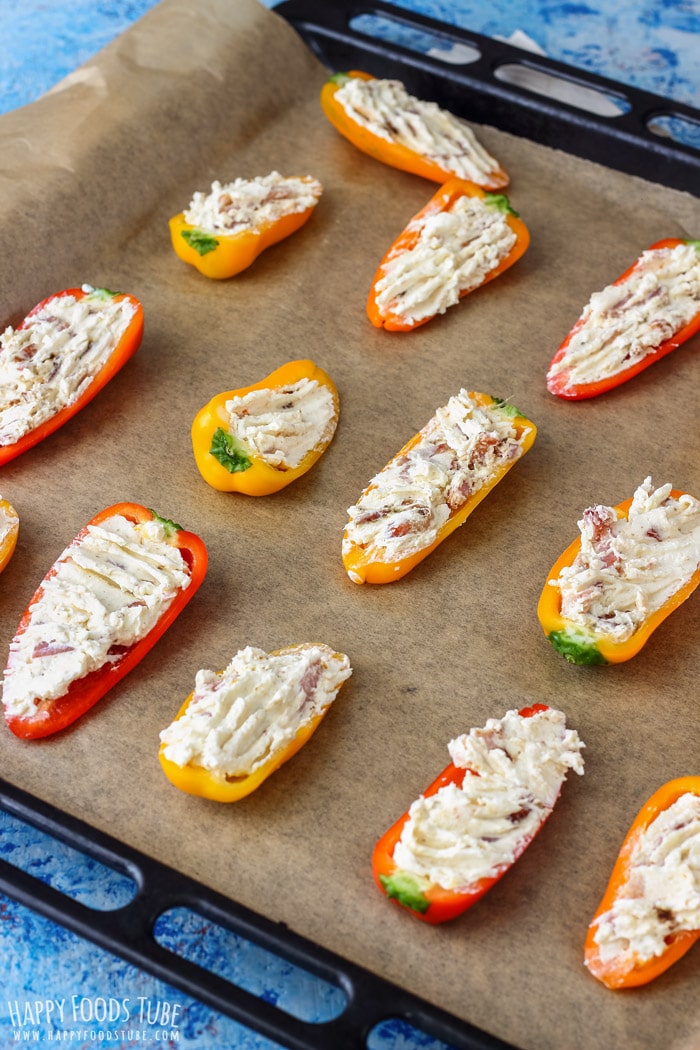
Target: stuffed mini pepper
x,y
100,608
461,239
61,355
222,232
644,315
474,821
383,120
240,725
631,567
650,913
432,485
260,438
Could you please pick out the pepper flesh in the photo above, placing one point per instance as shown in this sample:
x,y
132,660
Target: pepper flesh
x,y
612,973
204,783
83,693
126,347
427,900
223,255
363,569
9,541
559,385
388,152
258,478
580,646
442,201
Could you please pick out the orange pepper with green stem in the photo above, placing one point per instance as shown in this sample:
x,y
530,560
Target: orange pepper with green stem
x,y
388,555
8,542
403,294
629,970
231,463
219,253
385,143
578,644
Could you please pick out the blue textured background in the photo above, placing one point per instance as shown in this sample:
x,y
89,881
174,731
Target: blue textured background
x,y
652,45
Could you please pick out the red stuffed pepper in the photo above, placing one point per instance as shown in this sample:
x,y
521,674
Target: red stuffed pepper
x,y
61,355
479,815
644,315
100,608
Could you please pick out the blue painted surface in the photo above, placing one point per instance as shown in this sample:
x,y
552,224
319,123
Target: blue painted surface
x,y
51,980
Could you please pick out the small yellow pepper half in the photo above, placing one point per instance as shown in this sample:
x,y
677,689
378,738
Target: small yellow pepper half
x,y
221,787
221,255
370,566
9,540
227,464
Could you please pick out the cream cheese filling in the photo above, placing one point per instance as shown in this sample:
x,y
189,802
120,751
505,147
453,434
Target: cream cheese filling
x,y
239,719
662,892
628,568
624,322
386,109
248,204
456,249
406,504
282,425
516,766
46,365
107,591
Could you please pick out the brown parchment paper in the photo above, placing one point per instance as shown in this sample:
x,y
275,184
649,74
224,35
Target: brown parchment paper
x,y
89,176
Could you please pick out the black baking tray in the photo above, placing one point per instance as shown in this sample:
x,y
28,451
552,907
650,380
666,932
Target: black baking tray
x,y
129,933
474,91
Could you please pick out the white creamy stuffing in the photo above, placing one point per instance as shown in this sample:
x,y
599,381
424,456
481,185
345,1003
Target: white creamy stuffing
x,y
249,204
281,425
456,249
662,892
457,452
49,362
516,766
237,720
624,322
106,592
628,568
386,109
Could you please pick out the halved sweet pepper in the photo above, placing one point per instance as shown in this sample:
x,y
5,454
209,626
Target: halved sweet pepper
x,y
629,969
271,704
376,561
219,253
455,149
430,266
9,530
50,714
579,645
256,462
663,335
33,366
425,898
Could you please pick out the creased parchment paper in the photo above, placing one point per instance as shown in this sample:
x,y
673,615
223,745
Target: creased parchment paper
x,y
90,175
